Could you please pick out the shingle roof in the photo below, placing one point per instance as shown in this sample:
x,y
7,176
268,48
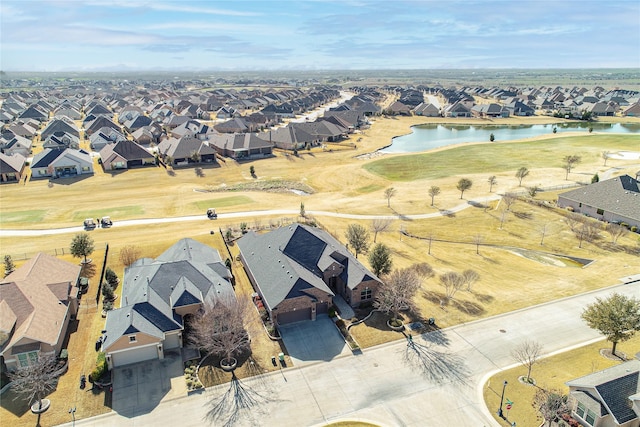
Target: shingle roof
x,y
34,303
289,260
11,164
184,274
620,195
614,386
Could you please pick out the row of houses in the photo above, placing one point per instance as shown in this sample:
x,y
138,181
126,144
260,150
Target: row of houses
x,y
504,102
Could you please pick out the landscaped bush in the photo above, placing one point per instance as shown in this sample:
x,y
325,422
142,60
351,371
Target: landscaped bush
x,y
340,323
64,354
624,224
111,277
100,369
107,291
634,229
332,312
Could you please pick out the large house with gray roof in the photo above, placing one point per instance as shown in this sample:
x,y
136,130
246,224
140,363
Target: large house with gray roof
x,y
298,270
612,200
608,398
157,296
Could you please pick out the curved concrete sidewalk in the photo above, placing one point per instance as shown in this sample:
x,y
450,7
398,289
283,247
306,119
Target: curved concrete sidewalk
x,y
203,217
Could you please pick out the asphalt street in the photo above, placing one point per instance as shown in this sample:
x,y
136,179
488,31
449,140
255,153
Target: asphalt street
x,y
438,381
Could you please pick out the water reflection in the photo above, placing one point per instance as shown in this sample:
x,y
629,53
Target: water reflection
x,y
428,136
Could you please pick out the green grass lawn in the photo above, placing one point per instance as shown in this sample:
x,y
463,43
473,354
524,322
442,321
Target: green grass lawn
x,y
36,215
222,202
478,158
549,373
114,212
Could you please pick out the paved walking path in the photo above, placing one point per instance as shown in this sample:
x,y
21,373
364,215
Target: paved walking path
x,y
437,381
252,214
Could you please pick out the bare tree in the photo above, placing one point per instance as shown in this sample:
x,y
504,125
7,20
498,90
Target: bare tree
x,y
521,174
430,237
463,185
503,217
616,231
379,225
36,380
424,270
527,354
478,239
569,163
452,283
433,191
129,254
552,404
388,194
588,230
605,157
397,292
470,277
358,238
220,328
508,200
543,229
492,181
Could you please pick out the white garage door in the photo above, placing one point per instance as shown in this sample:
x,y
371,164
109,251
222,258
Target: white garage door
x,y
134,355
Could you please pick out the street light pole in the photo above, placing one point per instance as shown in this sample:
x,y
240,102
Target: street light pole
x,y
504,385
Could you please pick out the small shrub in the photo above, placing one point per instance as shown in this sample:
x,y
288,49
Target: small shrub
x,y
64,354
107,305
111,277
395,323
634,229
624,224
332,312
100,369
340,323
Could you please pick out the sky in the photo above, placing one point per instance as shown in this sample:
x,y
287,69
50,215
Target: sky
x,y
157,35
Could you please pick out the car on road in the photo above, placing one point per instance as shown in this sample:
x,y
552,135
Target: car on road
x,y
89,224
211,213
106,222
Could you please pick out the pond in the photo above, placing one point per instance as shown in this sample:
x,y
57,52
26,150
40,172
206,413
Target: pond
x,y
429,136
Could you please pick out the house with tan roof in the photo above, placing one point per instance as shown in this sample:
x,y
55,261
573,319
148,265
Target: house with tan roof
x,y
37,301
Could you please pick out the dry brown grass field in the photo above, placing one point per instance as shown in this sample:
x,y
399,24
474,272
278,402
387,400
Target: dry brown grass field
x,y
508,280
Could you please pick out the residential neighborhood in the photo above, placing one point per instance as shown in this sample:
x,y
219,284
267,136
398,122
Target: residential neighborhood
x,y
288,168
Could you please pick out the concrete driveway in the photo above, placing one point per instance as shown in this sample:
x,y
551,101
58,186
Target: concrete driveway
x,y
140,387
313,341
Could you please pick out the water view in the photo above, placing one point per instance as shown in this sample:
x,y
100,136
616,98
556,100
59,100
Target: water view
x,y
426,137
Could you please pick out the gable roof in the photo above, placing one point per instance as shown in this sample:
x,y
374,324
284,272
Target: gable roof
x,y
187,273
620,195
11,164
128,150
37,294
613,387
184,147
291,261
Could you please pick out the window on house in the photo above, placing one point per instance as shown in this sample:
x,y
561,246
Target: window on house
x,y
600,211
27,359
85,168
580,410
132,338
365,294
590,418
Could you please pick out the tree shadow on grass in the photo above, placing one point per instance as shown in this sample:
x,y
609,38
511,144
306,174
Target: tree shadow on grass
x,y
469,307
523,215
437,366
239,402
88,270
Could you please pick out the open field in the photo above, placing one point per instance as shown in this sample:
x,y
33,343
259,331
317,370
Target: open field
x,y
549,373
343,184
